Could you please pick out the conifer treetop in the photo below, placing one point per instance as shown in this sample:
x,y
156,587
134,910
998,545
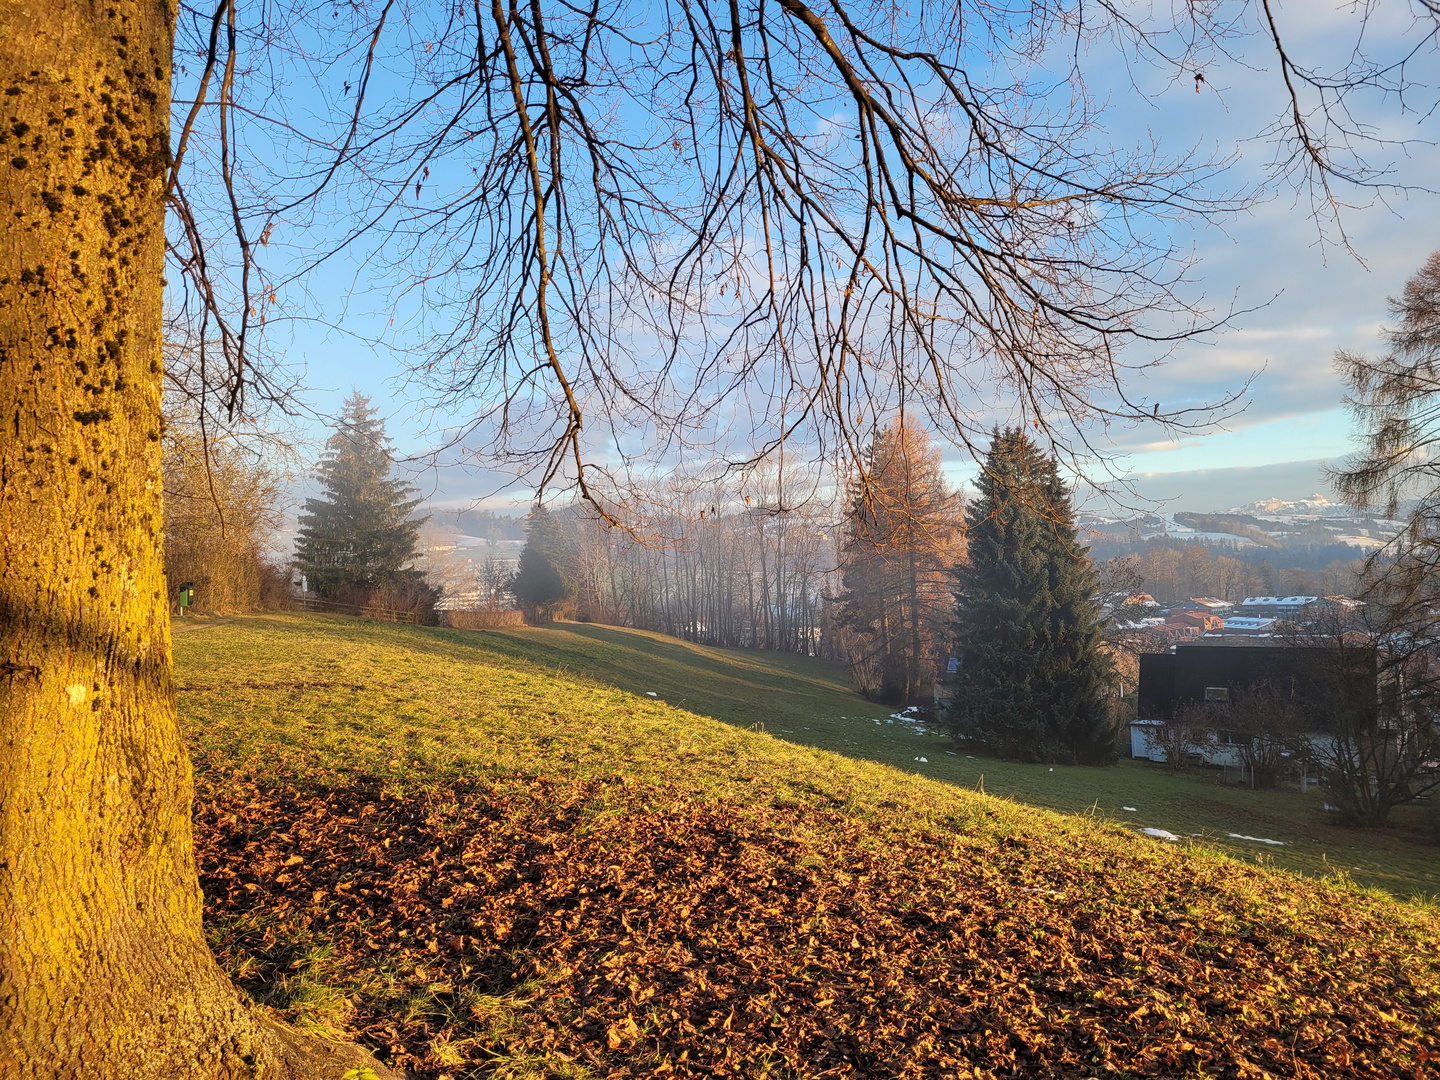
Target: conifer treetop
x,y
361,532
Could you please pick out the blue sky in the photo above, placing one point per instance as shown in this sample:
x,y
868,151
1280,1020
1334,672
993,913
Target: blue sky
x,y
1310,298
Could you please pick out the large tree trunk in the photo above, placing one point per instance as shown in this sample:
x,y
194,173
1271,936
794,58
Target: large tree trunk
x,y
104,969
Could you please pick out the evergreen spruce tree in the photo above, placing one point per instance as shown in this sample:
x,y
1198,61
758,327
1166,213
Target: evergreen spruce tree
x,y
361,534
1033,680
543,580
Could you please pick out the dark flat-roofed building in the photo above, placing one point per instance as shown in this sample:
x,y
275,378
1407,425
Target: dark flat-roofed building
x,y
1195,674
1216,672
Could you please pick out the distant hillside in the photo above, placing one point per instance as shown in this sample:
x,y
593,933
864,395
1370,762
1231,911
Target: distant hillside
x,y
1234,524
1306,546
483,524
1315,504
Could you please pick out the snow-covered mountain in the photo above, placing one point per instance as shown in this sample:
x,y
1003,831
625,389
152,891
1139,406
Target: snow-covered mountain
x,y
1317,505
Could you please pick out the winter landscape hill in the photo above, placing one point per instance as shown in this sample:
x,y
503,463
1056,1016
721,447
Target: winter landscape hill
x,y
1300,533
1315,505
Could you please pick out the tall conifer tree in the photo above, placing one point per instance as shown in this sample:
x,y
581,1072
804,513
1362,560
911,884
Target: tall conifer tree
x,y
362,533
1033,680
543,580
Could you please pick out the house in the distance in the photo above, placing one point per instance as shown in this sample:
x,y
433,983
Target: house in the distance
x,y
1199,621
1344,603
1208,605
1246,626
1290,608
1213,674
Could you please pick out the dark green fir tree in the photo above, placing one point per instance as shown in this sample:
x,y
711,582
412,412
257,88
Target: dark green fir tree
x,y
543,580
361,533
1034,682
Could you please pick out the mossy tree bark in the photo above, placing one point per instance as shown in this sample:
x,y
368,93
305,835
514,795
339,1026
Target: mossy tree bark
x,y
104,969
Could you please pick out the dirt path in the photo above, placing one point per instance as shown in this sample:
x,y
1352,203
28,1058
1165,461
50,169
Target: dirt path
x,y
184,624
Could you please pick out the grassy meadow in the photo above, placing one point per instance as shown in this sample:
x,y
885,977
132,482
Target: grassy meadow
x,y
796,700
496,853
806,702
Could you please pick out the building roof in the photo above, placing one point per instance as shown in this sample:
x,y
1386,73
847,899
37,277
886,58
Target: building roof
x,y
1242,622
1201,619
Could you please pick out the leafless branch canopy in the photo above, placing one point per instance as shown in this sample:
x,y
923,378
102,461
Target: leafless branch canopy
x,y
627,234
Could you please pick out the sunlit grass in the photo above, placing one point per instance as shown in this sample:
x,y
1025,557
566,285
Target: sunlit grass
x,y
304,693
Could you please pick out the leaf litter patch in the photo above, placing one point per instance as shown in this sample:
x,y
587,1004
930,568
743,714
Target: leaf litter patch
x,y
588,929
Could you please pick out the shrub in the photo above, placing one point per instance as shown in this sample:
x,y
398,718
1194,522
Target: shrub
x,y
482,620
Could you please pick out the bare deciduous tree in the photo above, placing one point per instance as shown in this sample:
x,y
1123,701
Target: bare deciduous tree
x,y
221,509
1190,734
902,537
633,230
1266,723
1375,703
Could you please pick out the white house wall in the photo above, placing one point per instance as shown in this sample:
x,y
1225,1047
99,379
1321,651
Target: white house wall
x,y
1146,747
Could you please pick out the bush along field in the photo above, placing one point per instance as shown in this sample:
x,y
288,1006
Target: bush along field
x,y
479,862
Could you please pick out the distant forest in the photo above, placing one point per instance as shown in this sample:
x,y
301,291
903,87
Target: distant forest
x,y
485,524
1173,571
1301,556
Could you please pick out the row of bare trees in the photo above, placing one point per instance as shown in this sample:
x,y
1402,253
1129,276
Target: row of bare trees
x,y
222,503
869,583
734,572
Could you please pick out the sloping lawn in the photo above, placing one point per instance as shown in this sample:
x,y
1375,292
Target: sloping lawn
x,y
807,702
471,854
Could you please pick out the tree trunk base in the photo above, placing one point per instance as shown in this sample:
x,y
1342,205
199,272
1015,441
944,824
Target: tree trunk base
x,y
308,1057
